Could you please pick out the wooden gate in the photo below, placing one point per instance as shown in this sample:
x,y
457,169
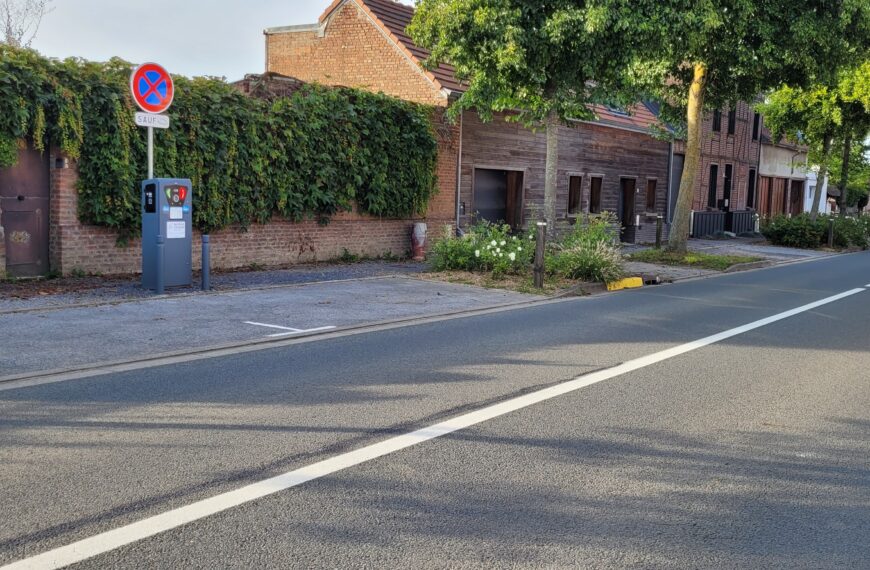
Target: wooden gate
x,y
24,194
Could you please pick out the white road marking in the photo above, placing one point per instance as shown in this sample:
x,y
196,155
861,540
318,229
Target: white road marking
x,y
128,534
289,330
271,326
301,331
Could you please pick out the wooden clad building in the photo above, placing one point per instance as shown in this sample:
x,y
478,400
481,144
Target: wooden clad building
x,y
492,170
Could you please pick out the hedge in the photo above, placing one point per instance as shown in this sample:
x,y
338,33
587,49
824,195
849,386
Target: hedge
x,y
308,156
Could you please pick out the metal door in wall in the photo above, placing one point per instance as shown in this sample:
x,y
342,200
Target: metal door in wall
x,y
490,195
24,192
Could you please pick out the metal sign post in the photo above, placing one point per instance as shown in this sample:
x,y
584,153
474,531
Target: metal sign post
x,y
166,203
153,91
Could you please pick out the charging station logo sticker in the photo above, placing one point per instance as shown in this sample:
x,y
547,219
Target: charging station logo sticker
x,y
152,88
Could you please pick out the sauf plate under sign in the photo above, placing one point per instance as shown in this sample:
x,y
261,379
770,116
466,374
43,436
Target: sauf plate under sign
x,y
152,120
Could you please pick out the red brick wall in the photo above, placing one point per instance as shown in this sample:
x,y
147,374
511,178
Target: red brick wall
x,y
353,52
2,251
74,246
721,148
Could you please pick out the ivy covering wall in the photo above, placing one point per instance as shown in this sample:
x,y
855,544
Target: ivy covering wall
x,y
306,156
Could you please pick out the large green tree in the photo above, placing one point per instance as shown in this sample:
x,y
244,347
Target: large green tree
x,y
825,116
714,53
544,62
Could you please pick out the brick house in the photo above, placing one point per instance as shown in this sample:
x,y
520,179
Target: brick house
x,y
725,196
490,170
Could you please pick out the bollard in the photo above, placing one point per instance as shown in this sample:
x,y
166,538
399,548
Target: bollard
x,y
159,286
831,233
659,224
539,254
206,263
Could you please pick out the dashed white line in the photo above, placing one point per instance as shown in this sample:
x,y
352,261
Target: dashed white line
x,y
128,534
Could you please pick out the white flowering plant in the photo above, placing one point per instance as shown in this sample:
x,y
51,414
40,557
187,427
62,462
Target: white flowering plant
x,y
486,247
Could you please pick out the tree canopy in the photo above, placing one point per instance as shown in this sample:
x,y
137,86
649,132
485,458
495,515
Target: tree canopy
x,y
714,53
544,62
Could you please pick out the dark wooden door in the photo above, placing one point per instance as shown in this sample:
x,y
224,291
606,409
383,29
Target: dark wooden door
x,y
514,199
626,206
726,188
24,192
797,197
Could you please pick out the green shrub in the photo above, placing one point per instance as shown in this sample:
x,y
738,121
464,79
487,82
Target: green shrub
x,y
486,247
591,252
851,232
601,262
798,231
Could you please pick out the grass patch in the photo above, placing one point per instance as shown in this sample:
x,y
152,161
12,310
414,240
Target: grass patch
x,y
517,283
691,259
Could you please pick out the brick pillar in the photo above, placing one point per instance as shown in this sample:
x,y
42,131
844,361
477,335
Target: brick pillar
x,y
2,249
63,205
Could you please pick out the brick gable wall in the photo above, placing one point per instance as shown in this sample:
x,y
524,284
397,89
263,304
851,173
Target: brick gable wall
x,y
353,52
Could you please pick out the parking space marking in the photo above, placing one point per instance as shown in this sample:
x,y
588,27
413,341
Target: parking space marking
x,y
287,330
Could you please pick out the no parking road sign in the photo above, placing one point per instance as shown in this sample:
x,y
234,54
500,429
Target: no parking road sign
x,y
152,88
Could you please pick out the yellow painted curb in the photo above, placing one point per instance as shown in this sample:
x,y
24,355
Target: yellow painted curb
x,y
627,283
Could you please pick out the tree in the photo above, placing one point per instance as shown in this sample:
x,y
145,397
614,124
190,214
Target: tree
x,y
858,182
21,19
545,61
807,116
825,116
717,52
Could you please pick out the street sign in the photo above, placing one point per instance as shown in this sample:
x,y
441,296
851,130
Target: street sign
x,y
149,120
152,88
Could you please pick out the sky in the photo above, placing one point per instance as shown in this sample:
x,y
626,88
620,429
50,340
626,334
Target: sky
x,y
222,38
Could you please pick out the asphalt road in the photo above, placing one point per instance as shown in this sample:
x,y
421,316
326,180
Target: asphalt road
x,y
750,452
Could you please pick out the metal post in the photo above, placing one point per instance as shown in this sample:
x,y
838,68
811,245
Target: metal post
x,y
831,232
659,223
539,254
206,263
159,286
150,153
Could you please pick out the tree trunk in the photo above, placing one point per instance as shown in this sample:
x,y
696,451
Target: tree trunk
x,y
550,169
844,173
820,180
695,116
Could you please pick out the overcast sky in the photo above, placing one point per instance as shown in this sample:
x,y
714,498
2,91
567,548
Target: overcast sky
x,y
190,37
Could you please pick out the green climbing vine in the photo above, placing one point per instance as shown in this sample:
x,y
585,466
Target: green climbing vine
x,y
307,156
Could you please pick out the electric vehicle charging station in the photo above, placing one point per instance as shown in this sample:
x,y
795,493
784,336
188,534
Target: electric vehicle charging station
x,y
167,227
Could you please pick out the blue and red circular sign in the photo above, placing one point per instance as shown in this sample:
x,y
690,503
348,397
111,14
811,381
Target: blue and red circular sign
x,y
152,88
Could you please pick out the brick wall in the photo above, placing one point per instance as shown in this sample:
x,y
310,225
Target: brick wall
x,y
2,250
74,246
585,150
351,51
720,148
